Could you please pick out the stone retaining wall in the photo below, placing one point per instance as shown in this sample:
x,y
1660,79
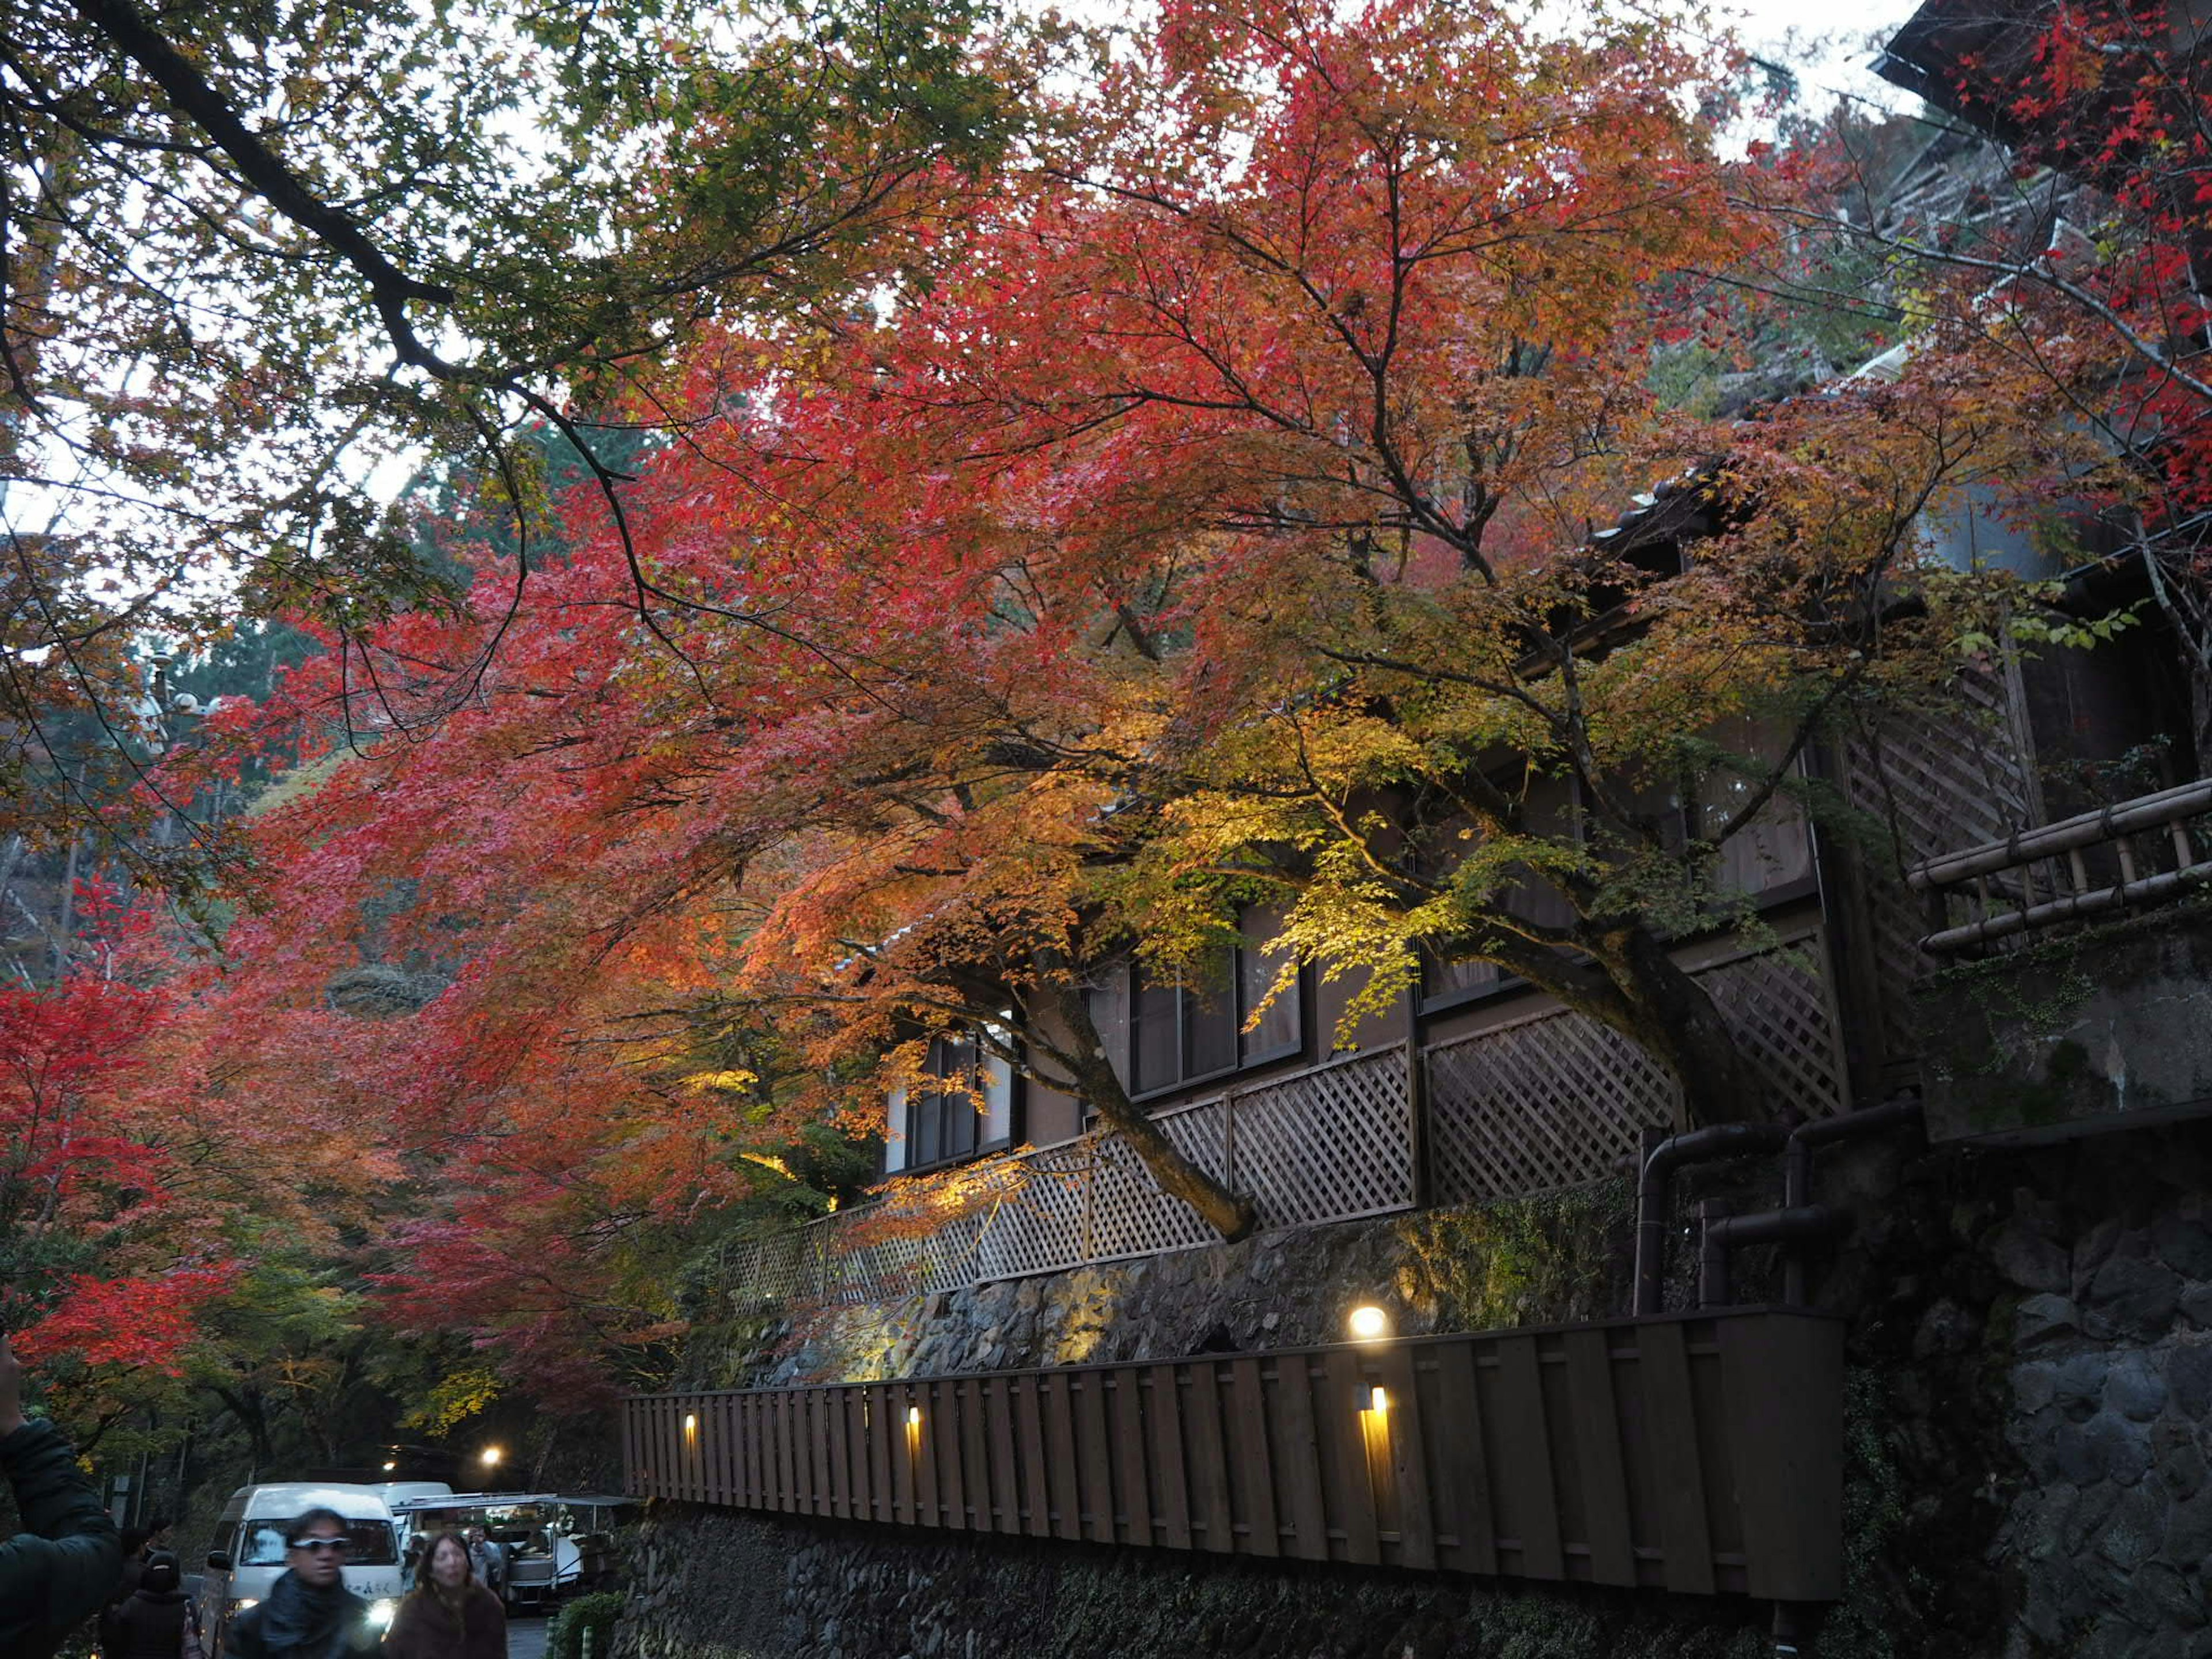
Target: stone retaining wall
x,y
2109,1527
1541,1260
2027,1447
723,1586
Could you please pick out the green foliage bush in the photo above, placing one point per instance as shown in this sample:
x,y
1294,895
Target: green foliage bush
x,y
1540,1261
597,1612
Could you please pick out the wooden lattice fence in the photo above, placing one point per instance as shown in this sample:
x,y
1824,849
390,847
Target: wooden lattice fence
x,y
1932,785
1325,1144
1537,1104
1558,1099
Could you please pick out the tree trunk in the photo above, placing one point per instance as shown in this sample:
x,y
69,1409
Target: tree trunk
x,y
1674,1020
249,1409
65,927
1230,1214
1629,983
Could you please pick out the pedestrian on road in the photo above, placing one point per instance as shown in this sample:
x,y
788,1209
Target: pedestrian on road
x,y
151,1624
57,1572
134,1563
309,1613
448,1615
490,1561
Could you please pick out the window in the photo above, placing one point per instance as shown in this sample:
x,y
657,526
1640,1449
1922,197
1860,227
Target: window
x,y
1770,854
1547,809
261,1544
1160,1033
1775,849
943,1126
1281,1028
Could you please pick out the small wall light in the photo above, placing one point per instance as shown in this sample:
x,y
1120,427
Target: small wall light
x,y
691,1426
913,1417
1367,1323
1382,1479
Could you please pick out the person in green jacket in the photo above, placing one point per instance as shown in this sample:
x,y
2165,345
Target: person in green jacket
x,y
58,1571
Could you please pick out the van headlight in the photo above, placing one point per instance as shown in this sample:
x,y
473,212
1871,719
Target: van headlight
x,y
381,1614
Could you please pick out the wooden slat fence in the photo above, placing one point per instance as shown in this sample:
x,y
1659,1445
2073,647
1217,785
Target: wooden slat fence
x,y
1697,1453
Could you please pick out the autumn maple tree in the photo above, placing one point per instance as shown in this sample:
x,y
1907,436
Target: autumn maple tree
x,y
1210,514
104,1272
2073,266
256,252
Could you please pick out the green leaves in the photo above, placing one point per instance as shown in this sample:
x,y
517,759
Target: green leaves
x,y
274,256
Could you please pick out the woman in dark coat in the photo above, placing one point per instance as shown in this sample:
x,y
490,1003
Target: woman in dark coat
x,y
150,1624
448,1615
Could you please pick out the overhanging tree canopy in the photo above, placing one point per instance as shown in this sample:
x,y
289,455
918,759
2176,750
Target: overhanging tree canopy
x,y
254,254
1217,524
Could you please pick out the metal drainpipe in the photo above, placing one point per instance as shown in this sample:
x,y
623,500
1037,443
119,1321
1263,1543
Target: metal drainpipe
x,y
1797,1167
1797,1221
1722,1233
1789,1628
1661,1160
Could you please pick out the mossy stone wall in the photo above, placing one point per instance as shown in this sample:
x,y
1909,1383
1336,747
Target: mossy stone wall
x,y
2085,1032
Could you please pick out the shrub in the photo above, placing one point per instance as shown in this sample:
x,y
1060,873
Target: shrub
x,y
596,1613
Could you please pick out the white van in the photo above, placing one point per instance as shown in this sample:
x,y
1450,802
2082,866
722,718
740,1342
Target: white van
x,y
399,1492
246,1555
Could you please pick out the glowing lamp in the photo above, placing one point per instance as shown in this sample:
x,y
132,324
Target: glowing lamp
x,y
1367,1323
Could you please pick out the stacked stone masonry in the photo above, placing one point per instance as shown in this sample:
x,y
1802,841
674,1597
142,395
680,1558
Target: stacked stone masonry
x,y
2028,1442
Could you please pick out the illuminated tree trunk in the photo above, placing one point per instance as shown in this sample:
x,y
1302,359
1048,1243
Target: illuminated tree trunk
x,y
1083,1058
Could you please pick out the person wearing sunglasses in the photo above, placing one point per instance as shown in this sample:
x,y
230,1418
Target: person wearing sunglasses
x,y
309,1614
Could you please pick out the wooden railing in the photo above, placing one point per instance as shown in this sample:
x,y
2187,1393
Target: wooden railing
x,y
2147,851
1544,1102
1331,1142
1699,1453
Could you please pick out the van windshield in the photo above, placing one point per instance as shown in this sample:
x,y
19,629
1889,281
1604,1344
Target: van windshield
x,y
263,1546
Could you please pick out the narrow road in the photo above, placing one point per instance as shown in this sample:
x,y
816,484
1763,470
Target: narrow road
x,y
525,1635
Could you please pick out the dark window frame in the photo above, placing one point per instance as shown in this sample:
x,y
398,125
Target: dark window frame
x,y
909,1132
1248,1058
1508,983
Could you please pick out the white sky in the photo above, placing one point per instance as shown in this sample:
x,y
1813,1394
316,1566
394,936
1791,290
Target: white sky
x,y
1841,41
1831,46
